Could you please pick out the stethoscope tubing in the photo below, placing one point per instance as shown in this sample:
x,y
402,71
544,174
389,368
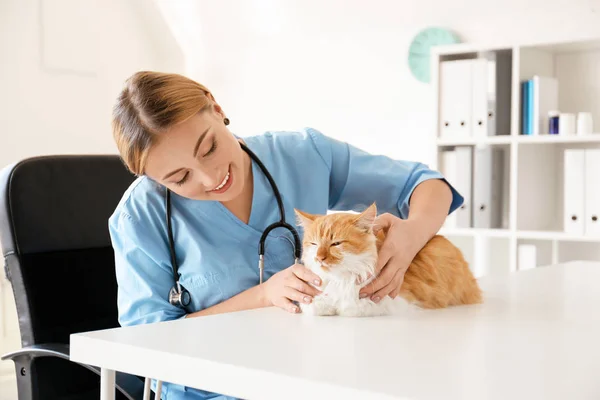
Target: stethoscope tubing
x,y
176,295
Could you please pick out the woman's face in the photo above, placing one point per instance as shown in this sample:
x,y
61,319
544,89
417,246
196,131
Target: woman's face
x,y
199,159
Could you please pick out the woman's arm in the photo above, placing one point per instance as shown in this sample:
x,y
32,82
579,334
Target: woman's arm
x,y
429,206
143,279
413,199
280,290
358,179
247,300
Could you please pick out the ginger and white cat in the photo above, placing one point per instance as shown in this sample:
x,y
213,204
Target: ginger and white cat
x,y
342,249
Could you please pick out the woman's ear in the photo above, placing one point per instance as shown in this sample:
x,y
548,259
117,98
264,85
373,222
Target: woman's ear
x,y
218,111
303,218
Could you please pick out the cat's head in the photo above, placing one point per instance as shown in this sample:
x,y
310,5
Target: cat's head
x,y
340,244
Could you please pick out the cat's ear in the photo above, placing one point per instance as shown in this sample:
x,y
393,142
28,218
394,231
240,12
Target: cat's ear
x,y
366,219
303,218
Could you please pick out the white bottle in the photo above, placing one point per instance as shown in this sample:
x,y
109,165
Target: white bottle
x,y
566,124
584,123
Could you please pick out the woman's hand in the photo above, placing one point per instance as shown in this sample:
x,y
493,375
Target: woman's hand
x,y
289,285
429,206
397,252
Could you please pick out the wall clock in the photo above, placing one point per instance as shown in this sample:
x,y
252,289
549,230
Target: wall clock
x,y
419,58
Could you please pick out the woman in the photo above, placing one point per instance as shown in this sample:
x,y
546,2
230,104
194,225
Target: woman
x,y
171,133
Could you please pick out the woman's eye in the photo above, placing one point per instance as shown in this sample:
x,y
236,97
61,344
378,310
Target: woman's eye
x,y
212,148
182,180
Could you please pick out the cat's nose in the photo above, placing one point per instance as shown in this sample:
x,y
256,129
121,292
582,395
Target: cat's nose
x,y
319,258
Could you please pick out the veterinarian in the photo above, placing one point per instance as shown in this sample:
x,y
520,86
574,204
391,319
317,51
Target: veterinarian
x,y
174,136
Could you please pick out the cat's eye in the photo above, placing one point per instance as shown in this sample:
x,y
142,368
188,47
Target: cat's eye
x,y
313,243
336,243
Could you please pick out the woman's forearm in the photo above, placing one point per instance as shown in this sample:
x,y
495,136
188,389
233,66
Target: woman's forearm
x,y
429,206
247,300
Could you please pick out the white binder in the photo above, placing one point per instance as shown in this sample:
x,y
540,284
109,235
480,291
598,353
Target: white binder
x,y
592,192
491,94
464,184
574,190
455,99
483,90
545,99
450,172
487,187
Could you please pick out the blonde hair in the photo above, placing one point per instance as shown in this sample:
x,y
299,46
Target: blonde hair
x,y
150,103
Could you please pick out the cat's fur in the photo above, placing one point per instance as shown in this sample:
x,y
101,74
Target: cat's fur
x,y
438,276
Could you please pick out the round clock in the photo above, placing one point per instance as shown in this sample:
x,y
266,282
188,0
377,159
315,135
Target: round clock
x,y
419,57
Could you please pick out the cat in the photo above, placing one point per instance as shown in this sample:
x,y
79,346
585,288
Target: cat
x,y
342,249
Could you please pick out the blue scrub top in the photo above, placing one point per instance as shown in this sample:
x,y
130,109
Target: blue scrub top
x,y
217,253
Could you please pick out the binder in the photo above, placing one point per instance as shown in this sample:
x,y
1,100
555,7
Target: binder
x,y
483,97
530,107
544,99
592,192
491,94
488,183
450,172
464,184
505,191
525,107
455,99
575,176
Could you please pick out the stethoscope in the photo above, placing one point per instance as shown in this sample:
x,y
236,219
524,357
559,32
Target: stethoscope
x,y
178,295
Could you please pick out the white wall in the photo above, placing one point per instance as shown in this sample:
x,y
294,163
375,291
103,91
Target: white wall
x,y
63,62
340,65
62,65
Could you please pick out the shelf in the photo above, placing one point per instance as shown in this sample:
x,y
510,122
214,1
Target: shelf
x,y
489,140
499,233
592,138
564,46
532,172
524,139
556,235
531,235
571,46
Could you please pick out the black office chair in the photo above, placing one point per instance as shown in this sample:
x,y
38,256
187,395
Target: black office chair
x,y
59,260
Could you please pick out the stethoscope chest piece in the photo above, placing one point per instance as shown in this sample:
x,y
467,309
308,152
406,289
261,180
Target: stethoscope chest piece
x,y
179,296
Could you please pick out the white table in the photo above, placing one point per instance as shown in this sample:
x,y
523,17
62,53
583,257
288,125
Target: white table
x,y
536,337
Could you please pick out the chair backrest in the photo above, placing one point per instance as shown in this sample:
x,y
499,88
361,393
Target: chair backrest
x,y
58,255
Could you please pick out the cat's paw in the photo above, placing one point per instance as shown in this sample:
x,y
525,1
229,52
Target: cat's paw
x,y
318,308
367,308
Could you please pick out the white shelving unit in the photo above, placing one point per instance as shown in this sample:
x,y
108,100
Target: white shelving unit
x,y
534,166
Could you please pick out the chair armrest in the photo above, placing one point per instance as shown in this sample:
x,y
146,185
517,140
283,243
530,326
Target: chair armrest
x,y
130,385
59,350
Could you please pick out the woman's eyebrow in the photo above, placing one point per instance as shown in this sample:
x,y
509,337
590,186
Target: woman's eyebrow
x,y
196,147
200,139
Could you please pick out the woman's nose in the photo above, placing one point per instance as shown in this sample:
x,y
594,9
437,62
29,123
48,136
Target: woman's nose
x,y
209,179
